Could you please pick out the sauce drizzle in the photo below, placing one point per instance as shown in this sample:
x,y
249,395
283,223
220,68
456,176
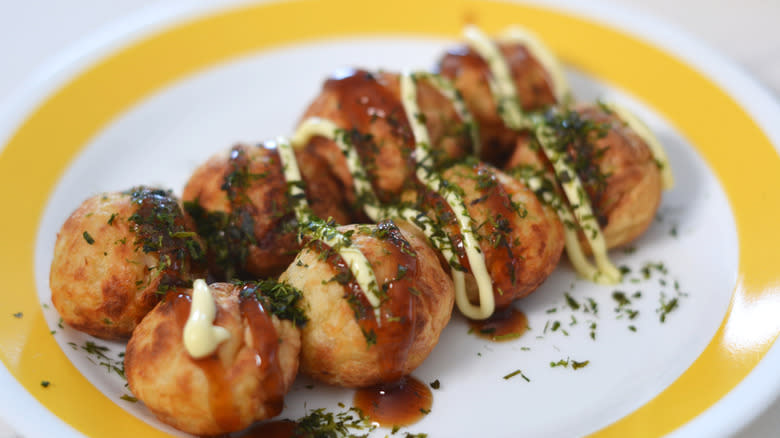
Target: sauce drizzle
x,y
219,389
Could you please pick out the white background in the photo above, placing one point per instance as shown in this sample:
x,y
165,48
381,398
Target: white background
x,y
34,32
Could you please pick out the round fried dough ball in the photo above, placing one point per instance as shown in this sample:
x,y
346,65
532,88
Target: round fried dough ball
x,y
368,107
616,166
470,74
116,254
520,237
239,203
243,381
343,343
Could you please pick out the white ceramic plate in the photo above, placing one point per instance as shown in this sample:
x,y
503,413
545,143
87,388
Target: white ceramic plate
x,y
153,104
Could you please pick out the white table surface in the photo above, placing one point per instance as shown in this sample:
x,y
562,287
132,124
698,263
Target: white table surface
x,y
33,32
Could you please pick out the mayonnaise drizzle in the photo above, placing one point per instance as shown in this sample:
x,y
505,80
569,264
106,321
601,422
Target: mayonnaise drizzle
x,y
541,53
505,94
501,84
356,261
658,151
433,182
315,126
448,90
201,337
312,127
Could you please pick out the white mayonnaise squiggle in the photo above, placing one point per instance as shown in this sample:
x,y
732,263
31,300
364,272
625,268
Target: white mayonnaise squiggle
x,y
201,337
505,94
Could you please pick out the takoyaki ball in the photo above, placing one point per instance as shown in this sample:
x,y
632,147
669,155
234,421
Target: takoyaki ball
x,y
343,343
470,74
114,257
520,237
368,107
238,203
243,381
616,166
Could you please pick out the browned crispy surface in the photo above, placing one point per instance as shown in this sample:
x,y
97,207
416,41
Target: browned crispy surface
x,y
104,288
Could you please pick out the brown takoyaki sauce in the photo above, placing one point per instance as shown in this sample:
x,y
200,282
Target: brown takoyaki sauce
x,y
396,330
160,228
504,325
263,340
395,404
231,236
446,219
500,258
363,101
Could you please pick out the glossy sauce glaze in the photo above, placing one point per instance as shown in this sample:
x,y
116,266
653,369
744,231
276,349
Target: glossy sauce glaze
x,y
265,342
367,105
363,100
497,243
395,404
395,330
160,227
504,325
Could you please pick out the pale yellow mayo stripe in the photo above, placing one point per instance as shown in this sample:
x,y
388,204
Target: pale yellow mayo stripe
x,y
315,126
448,90
541,53
579,204
501,84
571,240
433,182
201,337
658,151
505,94
353,257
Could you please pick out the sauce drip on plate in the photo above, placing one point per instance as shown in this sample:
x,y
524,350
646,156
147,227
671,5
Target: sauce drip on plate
x,y
395,404
504,325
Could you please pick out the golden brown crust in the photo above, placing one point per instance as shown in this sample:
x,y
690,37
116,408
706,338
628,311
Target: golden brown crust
x,y
334,348
633,189
103,288
219,394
